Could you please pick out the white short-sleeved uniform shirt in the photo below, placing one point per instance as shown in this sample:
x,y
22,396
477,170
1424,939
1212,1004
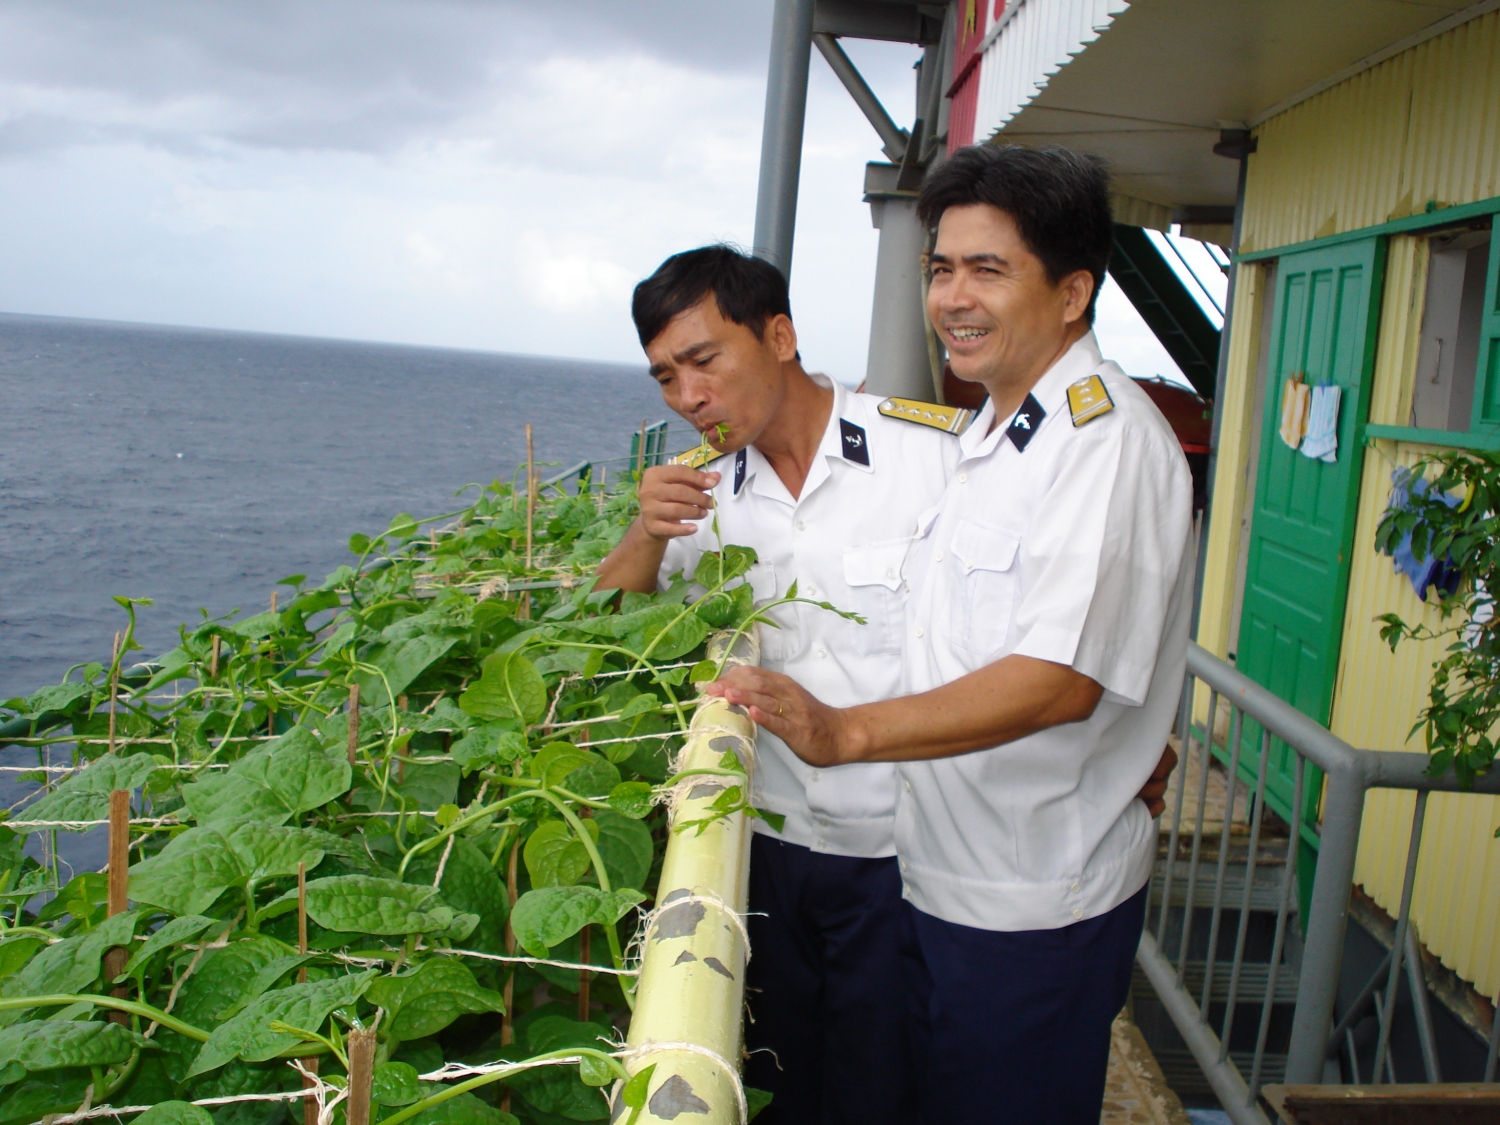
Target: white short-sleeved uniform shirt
x,y
843,541
1070,544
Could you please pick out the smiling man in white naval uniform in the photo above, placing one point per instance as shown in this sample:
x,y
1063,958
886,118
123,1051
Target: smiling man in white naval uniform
x,y
1045,644
826,489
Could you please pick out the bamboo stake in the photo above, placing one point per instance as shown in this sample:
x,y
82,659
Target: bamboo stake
x,y
309,1104
512,887
361,1071
405,749
270,708
353,723
507,1021
213,660
119,885
530,492
584,976
114,688
640,452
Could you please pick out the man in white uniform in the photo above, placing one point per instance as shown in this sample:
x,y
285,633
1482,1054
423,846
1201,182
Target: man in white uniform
x,y
826,489
1046,637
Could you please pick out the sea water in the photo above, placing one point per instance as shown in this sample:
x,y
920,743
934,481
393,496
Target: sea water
x,y
198,468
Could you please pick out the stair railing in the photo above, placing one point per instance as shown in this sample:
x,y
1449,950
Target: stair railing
x,y
1266,724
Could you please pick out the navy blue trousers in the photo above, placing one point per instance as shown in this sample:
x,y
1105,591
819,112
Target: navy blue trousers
x,y
829,988
1018,1022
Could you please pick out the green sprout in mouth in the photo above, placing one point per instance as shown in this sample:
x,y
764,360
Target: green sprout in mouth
x,y
721,431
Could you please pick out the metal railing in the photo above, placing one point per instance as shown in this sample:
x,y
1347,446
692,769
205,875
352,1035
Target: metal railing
x,y
1203,997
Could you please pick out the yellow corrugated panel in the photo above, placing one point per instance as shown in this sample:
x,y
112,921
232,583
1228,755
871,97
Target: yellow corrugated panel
x,y
1232,468
1380,693
1422,126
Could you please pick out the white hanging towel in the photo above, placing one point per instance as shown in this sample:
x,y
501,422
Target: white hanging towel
x,y
1322,439
1293,410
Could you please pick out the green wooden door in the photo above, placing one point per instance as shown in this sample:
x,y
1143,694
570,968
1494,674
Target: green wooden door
x,y
1302,529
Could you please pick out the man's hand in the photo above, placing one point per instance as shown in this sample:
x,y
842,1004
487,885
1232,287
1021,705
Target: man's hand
x,y
671,497
817,733
1154,792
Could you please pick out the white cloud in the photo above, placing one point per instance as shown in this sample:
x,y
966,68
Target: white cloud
x,y
493,175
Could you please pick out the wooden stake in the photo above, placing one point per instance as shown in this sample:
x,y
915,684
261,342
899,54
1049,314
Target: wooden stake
x,y
530,492
270,707
119,885
583,976
640,452
405,749
361,1043
353,722
114,688
603,474
512,889
213,660
302,919
309,1104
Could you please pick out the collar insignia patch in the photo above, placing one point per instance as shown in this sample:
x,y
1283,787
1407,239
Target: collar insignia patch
x,y
697,457
1089,399
1023,425
739,470
856,447
950,419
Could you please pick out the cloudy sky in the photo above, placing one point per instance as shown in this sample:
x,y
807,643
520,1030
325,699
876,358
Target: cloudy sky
x,y
468,173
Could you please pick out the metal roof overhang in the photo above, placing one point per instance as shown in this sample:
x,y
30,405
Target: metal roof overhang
x,y
1153,91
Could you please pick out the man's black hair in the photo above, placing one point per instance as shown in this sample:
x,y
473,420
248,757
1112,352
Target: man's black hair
x,y
1058,198
749,291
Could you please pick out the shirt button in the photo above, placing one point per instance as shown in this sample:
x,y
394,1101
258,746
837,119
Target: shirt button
x,y
822,843
890,573
906,785
815,777
1076,912
919,634
901,865
801,526
938,557
1074,888
822,653
963,478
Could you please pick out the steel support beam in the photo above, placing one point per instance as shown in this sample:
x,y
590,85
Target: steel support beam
x,y
893,138
781,134
1165,304
892,22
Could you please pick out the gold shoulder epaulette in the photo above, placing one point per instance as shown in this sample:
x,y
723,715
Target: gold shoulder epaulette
x,y
1088,399
951,419
697,457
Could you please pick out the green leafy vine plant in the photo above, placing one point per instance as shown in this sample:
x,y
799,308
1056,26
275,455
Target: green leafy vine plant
x,y
1455,516
437,873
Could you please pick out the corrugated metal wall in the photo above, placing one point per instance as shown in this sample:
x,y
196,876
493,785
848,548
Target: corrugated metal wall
x,y
1379,693
1232,478
1419,127
1424,125
1039,38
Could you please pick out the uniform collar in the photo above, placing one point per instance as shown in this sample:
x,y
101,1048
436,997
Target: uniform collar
x,y
847,407
1050,391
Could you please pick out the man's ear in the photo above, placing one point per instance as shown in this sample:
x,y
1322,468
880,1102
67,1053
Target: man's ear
x,y
1078,290
783,337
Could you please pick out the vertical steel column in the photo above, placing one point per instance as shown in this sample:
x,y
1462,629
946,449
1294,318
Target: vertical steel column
x,y
1327,918
781,134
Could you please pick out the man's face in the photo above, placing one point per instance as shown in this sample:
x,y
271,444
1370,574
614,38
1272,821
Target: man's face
x,y
994,307
718,376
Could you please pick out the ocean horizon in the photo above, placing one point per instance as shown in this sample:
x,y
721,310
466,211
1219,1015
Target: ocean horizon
x,y
198,466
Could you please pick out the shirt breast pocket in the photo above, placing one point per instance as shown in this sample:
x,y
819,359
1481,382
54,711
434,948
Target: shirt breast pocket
x,y
877,593
988,578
